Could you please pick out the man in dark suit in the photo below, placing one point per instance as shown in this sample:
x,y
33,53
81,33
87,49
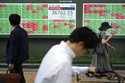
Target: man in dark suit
x,y
17,47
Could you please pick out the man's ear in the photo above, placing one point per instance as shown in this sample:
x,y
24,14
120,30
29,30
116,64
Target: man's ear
x,y
81,43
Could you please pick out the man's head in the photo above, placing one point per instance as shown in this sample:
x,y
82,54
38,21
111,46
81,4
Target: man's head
x,y
14,19
82,39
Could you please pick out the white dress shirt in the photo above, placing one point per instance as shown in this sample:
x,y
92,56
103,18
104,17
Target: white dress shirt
x,y
56,66
80,69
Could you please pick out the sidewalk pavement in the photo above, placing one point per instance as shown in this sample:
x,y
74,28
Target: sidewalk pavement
x,y
31,73
31,69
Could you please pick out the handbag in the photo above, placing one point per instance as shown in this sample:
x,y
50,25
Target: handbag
x,y
99,49
9,77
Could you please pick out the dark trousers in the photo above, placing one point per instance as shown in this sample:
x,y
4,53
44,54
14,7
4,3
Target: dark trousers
x,y
18,69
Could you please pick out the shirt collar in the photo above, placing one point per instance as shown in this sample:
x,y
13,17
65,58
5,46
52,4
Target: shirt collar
x,y
68,49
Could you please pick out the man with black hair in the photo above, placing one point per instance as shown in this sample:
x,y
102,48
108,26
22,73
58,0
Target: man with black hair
x,y
56,66
17,47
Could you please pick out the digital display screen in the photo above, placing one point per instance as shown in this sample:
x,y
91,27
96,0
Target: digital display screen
x,y
96,13
40,18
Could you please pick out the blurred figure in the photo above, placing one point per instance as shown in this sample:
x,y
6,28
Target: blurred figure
x,y
101,56
56,66
17,47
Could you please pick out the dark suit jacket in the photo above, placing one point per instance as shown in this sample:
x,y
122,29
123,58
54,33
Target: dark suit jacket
x,y
17,46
